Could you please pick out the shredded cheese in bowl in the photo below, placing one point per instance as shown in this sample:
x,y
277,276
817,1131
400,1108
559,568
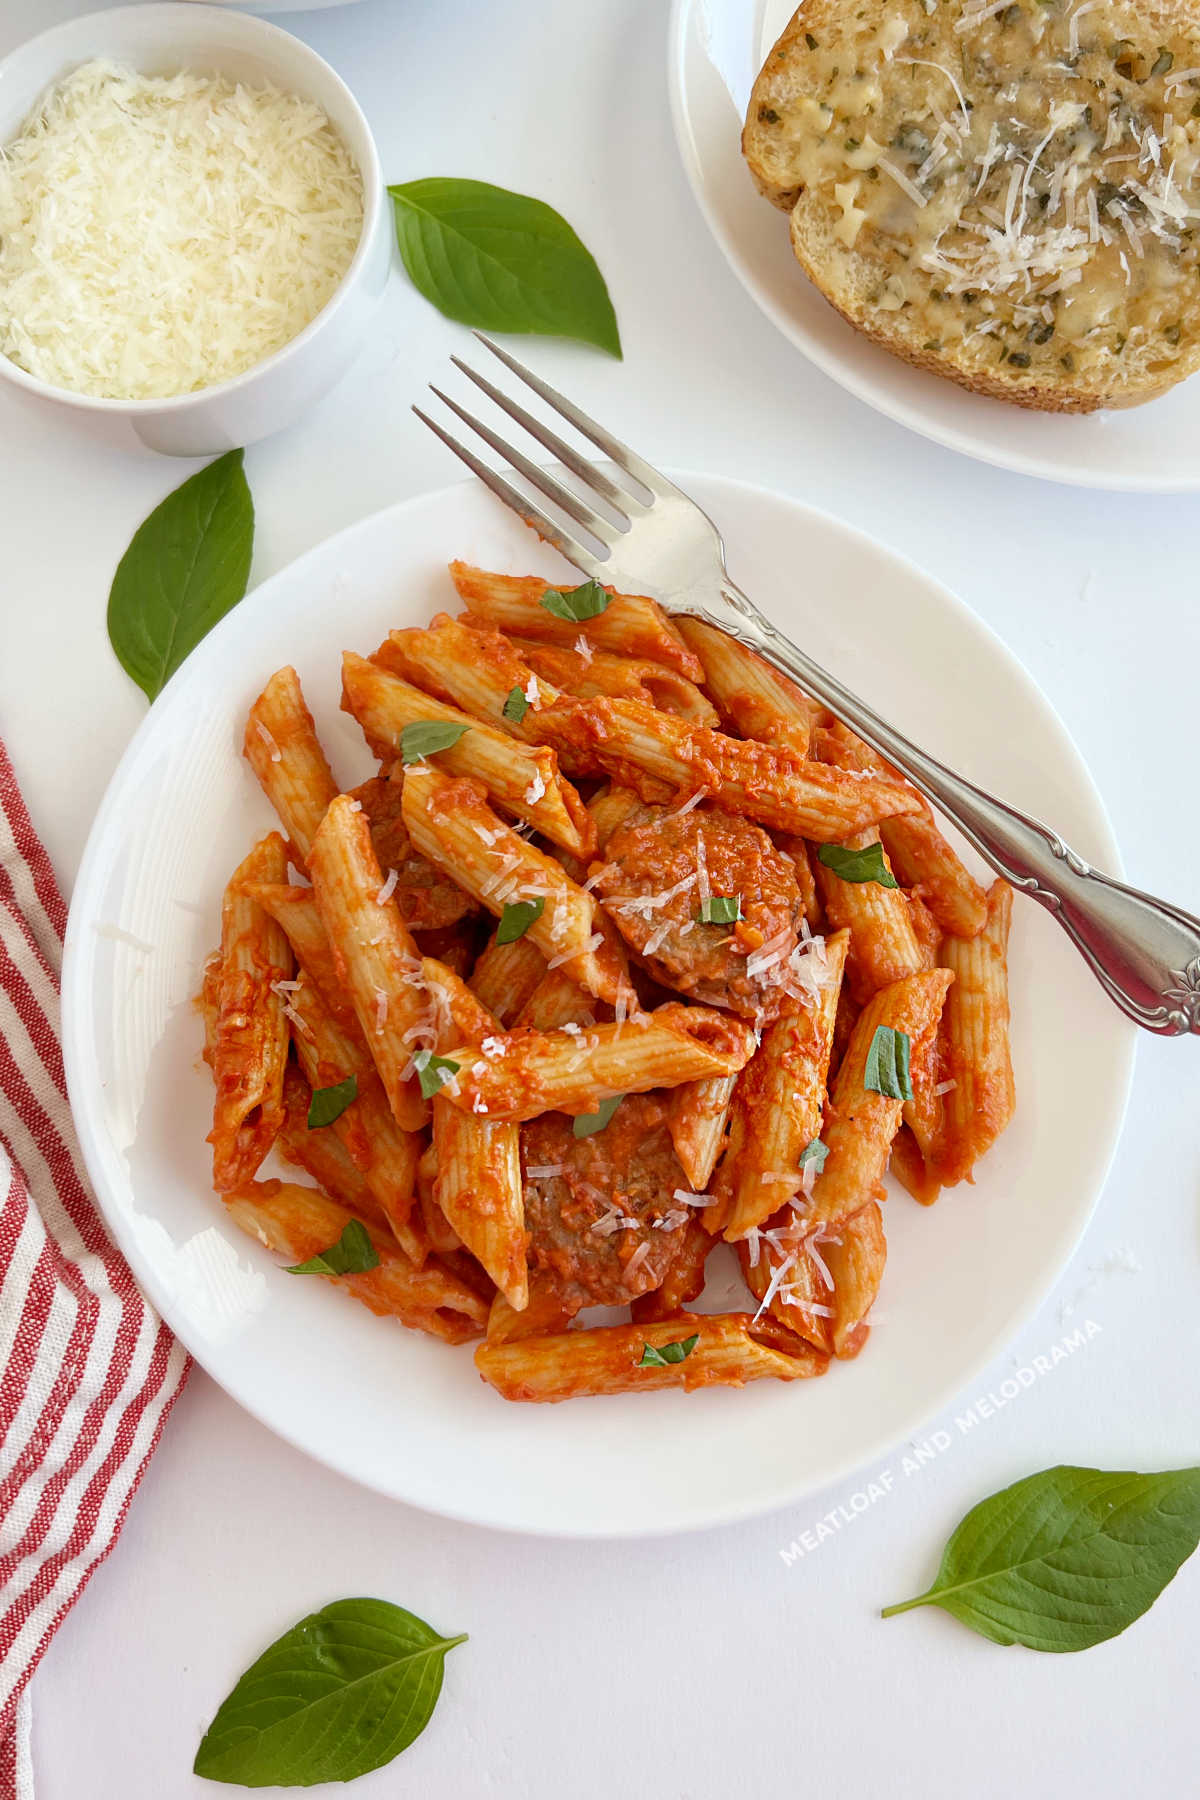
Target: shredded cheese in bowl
x,y
161,234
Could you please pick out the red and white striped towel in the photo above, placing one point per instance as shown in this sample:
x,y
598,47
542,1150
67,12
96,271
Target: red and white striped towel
x,y
88,1371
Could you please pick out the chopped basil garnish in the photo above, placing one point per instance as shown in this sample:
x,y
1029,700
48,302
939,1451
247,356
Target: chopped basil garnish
x,y
329,1103
353,1254
516,706
867,864
586,601
720,909
814,1153
667,1353
433,1072
887,1070
516,919
589,1123
424,737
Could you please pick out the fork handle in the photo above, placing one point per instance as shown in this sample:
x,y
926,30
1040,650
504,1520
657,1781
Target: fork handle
x,y
1144,951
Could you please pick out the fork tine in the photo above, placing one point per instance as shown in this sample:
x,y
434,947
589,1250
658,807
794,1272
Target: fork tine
x,y
533,516
619,498
540,478
621,454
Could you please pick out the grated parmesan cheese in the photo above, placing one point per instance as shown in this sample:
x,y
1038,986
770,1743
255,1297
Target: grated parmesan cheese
x,y
159,234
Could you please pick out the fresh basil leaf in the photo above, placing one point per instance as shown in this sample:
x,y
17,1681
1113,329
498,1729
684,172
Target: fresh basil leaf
x,y
186,566
816,1152
587,1124
329,1103
720,909
501,261
867,864
1068,1557
425,737
433,1072
587,601
887,1070
516,706
353,1254
667,1353
340,1694
516,919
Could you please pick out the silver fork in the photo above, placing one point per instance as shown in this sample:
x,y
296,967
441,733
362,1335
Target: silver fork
x,y
1145,952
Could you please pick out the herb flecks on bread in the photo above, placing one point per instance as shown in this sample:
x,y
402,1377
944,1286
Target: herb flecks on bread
x,y
1004,191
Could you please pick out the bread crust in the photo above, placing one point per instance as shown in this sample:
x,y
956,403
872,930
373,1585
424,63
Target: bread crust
x,y
841,274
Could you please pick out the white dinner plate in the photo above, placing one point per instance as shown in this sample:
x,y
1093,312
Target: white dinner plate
x,y
716,50
408,1415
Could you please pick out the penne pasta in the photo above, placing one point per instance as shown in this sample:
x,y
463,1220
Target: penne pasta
x,y
249,1027
479,1191
530,1073
208,1003
924,1112
909,1167
505,977
778,1106
787,1274
926,929
802,861
329,1052
858,1136
294,909
610,809
820,1285
855,1258
282,747
696,1119
646,750
976,1051
478,1186
919,853
300,1222
883,944
753,699
374,952
608,1360
599,673
320,1152
630,624
557,1000
522,779
442,1237
545,1314
468,665
451,823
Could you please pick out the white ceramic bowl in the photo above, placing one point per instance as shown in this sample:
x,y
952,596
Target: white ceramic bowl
x,y
160,40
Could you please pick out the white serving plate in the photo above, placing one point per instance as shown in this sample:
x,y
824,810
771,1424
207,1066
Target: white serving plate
x,y
716,50
407,1415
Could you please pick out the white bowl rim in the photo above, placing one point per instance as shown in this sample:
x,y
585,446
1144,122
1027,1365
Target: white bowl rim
x,y
373,191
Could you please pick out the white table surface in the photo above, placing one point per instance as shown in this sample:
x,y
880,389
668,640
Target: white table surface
x,y
699,1666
